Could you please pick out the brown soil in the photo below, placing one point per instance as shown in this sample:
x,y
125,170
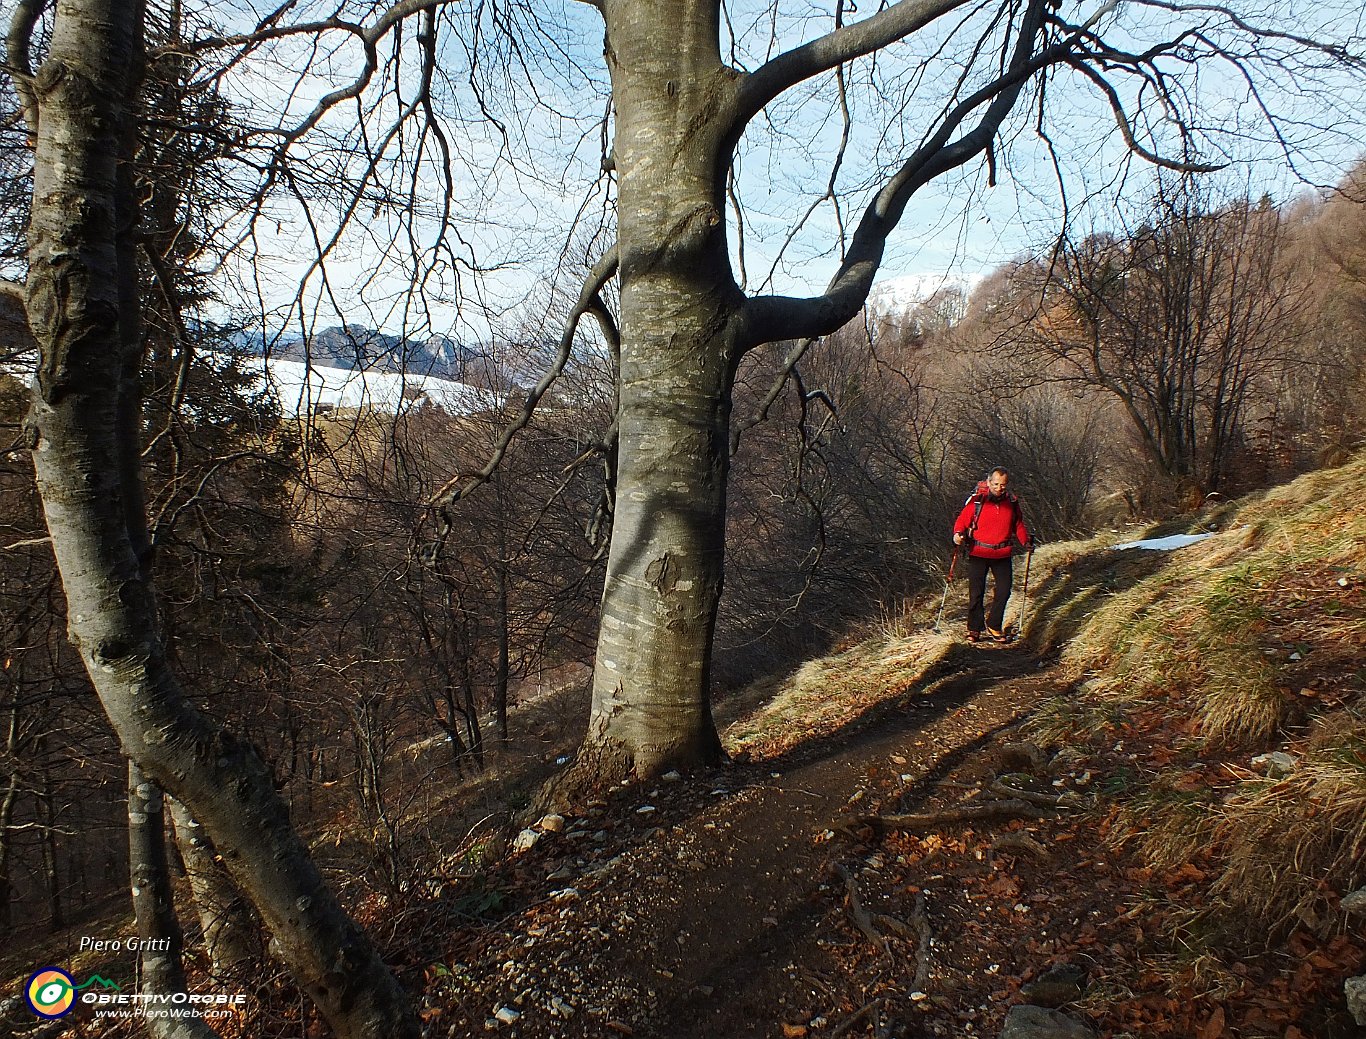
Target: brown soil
x,y
723,905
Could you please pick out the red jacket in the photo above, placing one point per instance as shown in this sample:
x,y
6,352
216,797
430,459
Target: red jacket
x,y
999,519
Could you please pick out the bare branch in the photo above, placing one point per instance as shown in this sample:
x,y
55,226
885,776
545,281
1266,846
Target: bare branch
x,y
834,49
1127,130
772,318
461,484
17,49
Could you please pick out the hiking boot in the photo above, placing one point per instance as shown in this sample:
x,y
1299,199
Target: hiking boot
x,y
973,636
999,636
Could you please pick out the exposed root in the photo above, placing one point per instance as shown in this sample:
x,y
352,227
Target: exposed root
x,y
1018,842
862,920
924,822
857,1016
1004,789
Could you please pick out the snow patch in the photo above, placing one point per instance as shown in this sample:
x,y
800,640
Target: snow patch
x,y
302,388
908,291
1171,541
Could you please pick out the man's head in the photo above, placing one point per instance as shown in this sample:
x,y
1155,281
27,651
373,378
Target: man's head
x,y
997,482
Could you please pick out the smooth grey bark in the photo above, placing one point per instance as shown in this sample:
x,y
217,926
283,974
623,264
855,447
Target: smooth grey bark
x,y
162,942
685,324
82,431
224,921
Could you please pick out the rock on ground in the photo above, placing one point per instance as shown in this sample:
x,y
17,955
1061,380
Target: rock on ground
x,y
1031,1022
1355,990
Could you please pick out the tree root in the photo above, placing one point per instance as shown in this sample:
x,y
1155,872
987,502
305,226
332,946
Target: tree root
x,y
857,1016
1004,789
1014,808
862,919
1018,842
918,928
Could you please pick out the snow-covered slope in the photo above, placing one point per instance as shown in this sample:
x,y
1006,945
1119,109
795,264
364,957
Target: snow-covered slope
x,y
905,292
302,389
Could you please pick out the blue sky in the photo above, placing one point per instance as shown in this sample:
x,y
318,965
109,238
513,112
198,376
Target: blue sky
x,y
520,192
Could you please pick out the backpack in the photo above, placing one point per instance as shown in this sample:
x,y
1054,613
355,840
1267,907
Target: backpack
x,y
978,499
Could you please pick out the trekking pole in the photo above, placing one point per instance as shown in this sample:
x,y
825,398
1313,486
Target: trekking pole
x,y
953,561
1024,595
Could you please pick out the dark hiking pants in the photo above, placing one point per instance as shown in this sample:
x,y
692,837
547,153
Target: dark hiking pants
x,y
1002,576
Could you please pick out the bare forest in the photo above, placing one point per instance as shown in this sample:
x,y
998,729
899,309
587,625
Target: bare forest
x,y
292,670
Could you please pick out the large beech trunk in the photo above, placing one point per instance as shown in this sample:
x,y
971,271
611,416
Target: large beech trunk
x,y
84,449
651,698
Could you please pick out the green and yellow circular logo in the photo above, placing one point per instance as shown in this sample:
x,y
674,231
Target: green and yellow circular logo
x,y
50,992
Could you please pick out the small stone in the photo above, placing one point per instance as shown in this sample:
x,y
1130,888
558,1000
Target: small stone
x,y
526,840
791,1031
1277,763
1355,991
919,997
645,809
1031,1022
560,1007
1020,757
1355,903
1064,983
771,921
552,824
1343,582
506,1015
672,777
1296,656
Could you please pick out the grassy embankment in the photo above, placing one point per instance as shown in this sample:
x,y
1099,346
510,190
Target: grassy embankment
x,y
1252,641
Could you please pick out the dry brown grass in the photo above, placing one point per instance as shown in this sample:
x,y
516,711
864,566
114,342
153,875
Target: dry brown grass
x,y
1214,650
1196,632
825,694
1289,849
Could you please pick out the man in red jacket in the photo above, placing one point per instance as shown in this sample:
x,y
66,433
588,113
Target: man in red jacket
x,y
991,524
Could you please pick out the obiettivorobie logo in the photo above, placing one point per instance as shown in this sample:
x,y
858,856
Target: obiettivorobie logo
x,y
51,992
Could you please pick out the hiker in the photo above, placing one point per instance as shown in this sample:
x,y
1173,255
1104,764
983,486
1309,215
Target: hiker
x,y
991,524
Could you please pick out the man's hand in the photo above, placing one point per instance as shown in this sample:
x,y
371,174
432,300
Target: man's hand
x,y
957,539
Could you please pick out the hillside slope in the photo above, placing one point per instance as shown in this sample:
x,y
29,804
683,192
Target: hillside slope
x,y
919,835
1141,819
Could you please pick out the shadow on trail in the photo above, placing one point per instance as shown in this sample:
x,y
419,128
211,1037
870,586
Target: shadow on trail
x,y
953,679
1059,605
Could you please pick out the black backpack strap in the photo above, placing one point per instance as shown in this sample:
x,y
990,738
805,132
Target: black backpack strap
x,y
978,501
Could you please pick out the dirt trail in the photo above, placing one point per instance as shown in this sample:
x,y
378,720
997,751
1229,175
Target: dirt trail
x,y
707,907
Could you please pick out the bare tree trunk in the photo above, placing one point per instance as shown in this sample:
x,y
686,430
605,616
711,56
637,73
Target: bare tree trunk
x,y
7,804
159,934
80,430
52,881
228,930
651,683
500,678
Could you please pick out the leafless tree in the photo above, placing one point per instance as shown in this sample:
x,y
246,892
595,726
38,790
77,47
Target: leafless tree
x,y
1185,322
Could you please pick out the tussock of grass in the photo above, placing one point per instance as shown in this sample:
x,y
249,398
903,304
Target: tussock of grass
x,y
1169,827
1291,847
1201,650
1059,720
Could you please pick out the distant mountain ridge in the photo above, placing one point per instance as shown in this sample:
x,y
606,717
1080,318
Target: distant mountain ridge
x,y
357,348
